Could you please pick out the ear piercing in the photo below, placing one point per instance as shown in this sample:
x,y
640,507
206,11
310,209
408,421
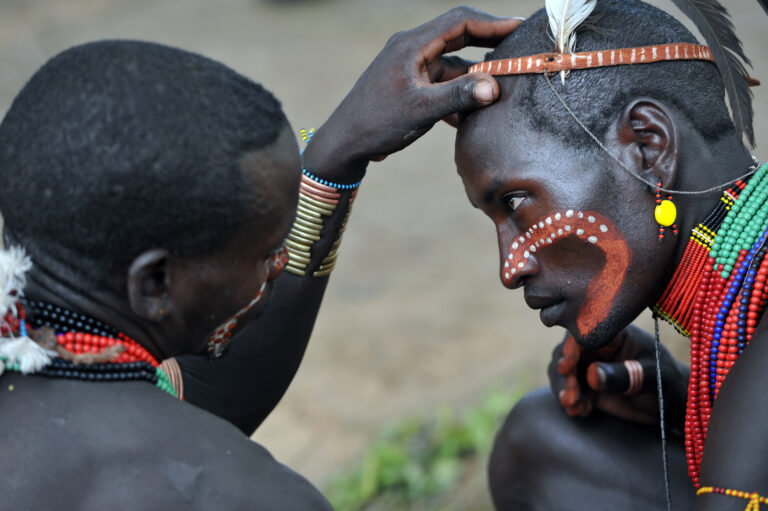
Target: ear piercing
x,y
665,213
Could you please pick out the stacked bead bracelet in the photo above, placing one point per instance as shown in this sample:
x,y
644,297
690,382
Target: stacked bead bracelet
x,y
754,498
98,354
717,297
317,202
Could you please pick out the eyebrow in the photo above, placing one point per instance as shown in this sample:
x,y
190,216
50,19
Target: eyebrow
x,y
492,190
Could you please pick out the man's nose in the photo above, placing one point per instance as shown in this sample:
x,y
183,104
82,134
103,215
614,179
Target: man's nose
x,y
518,257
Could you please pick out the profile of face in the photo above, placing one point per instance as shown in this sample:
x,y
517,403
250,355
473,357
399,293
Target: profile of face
x,y
575,231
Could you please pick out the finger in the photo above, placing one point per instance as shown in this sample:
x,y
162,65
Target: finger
x,y
448,68
629,377
458,28
462,94
571,392
571,355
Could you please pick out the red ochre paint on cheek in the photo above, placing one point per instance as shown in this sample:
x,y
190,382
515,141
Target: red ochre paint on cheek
x,y
592,228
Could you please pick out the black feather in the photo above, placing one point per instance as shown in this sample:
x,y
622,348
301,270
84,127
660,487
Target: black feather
x,y
764,4
714,23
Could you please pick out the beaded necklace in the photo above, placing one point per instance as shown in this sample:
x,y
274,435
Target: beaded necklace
x,y
717,296
87,349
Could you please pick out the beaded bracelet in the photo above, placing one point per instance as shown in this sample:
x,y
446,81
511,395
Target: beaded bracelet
x,y
317,201
754,498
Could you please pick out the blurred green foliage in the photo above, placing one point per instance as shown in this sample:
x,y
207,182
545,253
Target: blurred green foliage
x,y
419,458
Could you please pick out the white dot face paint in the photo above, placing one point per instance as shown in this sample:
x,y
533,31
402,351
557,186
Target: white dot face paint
x,y
548,220
591,219
541,225
506,264
559,232
506,275
604,228
558,216
514,246
526,254
567,228
569,213
520,265
579,232
581,215
592,239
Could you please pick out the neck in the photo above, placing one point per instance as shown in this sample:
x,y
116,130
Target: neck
x,y
705,166
53,282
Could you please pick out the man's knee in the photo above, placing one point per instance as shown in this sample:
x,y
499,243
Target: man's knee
x,y
521,457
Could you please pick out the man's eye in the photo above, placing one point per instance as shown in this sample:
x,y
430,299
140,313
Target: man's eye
x,y
513,202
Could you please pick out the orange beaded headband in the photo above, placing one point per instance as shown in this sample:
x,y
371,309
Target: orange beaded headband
x,y
555,62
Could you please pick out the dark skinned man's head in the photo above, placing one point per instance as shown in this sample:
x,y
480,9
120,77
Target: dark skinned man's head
x,y
150,172
575,228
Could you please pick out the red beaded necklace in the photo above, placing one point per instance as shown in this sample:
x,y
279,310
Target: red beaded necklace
x,y
717,296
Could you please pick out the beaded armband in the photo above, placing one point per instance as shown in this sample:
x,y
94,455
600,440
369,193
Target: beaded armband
x,y
754,498
318,200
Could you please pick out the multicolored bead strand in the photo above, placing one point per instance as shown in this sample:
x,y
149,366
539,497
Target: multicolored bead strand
x,y
317,201
754,498
676,304
729,299
126,358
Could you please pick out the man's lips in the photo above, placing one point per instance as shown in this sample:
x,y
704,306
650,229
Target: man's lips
x,y
550,308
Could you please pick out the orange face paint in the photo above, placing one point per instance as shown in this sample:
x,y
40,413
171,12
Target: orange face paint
x,y
592,228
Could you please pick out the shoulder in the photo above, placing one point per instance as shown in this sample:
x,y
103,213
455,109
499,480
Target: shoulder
x,y
128,446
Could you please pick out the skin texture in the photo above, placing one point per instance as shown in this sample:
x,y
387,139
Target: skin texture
x,y
518,176
127,444
589,227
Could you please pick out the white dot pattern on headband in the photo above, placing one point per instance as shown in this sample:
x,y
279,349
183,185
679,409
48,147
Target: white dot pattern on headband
x,y
550,230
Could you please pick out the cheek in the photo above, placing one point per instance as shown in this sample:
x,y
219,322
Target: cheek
x,y
562,237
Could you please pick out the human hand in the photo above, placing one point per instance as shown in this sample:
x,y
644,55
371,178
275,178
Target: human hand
x,y
619,378
408,87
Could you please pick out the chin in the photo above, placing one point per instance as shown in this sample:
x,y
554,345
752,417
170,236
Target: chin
x,y
604,333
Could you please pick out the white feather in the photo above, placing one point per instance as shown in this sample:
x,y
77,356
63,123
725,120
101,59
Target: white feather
x,y
565,16
30,356
14,264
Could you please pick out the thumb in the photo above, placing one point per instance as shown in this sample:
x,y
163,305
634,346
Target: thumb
x,y
462,94
628,377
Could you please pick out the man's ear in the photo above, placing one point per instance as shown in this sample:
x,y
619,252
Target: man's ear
x,y
649,138
149,285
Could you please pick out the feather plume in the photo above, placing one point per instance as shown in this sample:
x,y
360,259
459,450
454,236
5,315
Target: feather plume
x,y
30,356
565,16
714,23
14,264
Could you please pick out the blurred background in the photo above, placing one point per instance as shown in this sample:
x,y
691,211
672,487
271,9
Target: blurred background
x,y
418,350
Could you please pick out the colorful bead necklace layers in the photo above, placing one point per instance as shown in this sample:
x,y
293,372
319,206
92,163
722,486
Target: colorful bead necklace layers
x,y
717,296
85,349
318,200
754,498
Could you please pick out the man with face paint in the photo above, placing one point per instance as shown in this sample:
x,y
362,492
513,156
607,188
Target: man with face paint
x,y
150,205
569,167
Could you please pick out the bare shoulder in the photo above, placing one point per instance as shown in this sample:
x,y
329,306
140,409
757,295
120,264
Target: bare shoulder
x,y
129,446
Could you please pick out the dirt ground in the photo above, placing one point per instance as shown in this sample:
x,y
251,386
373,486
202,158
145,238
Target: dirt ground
x,y
415,316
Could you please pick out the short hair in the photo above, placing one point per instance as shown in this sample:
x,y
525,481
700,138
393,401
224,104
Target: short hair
x,y
694,88
115,147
